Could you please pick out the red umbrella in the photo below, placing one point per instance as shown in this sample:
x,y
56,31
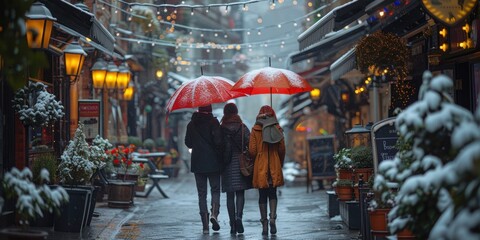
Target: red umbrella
x,y
271,80
202,91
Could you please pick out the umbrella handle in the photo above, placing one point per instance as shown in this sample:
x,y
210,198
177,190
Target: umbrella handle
x,y
201,70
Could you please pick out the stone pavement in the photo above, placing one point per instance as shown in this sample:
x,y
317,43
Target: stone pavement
x,y
301,215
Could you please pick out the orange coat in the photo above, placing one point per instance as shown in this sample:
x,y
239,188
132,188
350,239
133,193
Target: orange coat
x,y
268,159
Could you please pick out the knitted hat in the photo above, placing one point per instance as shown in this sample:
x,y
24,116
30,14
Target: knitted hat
x,y
267,110
230,108
207,109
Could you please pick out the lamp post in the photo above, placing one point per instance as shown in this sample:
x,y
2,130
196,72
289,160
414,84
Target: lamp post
x,y
39,24
73,55
123,78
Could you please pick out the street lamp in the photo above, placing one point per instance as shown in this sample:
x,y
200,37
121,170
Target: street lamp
x,y
73,55
359,135
123,77
99,71
39,24
128,94
315,94
111,77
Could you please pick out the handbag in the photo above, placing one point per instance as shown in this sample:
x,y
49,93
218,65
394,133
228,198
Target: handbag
x,y
246,162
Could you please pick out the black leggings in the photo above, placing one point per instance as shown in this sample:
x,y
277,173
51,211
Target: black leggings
x,y
240,203
270,193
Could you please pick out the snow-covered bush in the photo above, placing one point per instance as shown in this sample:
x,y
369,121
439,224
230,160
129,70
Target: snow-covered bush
x,y
35,106
427,165
76,167
98,152
342,159
31,199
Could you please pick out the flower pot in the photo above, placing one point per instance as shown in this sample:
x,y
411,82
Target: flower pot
x,y
127,177
405,234
20,234
366,173
74,215
139,188
120,194
378,222
344,193
345,174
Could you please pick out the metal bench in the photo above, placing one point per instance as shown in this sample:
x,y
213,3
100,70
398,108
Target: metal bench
x,y
155,175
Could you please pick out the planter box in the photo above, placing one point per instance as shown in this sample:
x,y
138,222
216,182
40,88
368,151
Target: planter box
x,y
121,194
350,213
74,215
333,206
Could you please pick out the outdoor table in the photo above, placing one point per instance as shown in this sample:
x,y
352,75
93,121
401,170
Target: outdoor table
x,y
155,174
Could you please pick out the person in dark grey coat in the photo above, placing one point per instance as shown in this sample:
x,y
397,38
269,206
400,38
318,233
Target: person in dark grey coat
x,y
233,182
204,137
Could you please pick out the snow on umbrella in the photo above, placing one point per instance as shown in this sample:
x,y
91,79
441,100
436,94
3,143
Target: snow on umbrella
x,y
271,80
201,91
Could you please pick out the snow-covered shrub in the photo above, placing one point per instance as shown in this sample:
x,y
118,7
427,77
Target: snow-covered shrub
x,y
35,106
342,159
362,157
76,167
31,199
98,152
426,130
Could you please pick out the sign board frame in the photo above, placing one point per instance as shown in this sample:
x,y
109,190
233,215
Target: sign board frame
x,y
388,141
89,113
330,140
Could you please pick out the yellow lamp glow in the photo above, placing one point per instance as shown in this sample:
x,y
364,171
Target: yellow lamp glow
x,y
315,94
99,71
39,24
73,55
159,74
466,28
444,47
111,77
443,32
128,94
123,77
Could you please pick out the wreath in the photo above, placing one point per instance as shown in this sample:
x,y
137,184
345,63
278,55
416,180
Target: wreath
x,y
383,51
35,106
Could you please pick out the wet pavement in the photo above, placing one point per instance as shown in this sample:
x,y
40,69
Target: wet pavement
x,y
301,215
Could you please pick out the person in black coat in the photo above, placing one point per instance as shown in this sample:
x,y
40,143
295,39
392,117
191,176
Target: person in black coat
x,y
233,182
204,137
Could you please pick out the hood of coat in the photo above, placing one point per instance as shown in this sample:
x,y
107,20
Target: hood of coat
x,y
201,117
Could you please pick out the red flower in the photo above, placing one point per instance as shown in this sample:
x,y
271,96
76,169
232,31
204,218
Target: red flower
x,y
116,162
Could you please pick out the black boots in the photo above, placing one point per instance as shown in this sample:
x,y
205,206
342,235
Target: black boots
x,y
273,216
231,216
213,219
264,220
238,223
204,217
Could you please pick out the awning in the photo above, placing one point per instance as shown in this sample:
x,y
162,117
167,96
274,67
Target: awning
x,y
81,22
331,43
405,16
334,20
343,64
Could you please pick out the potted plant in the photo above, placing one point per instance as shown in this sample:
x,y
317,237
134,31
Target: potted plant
x,y
75,171
101,160
149,144
344,189
46,161
362,159
161,144
32,200
122,191
343,164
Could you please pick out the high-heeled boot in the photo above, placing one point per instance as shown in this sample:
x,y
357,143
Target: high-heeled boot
x,y
238,222
213,219
204,217
264,220
231,216
273,216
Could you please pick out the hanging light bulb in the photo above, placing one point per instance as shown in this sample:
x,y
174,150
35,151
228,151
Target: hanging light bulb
x,y
207,10
260,20
245,7
191,13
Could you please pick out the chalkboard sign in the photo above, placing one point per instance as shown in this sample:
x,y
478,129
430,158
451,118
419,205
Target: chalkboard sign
x,y
384,139
320,158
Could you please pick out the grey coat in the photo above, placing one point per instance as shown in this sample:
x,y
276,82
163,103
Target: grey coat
x,y
232,178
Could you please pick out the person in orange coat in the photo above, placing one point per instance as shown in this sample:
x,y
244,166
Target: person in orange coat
x,y
267,147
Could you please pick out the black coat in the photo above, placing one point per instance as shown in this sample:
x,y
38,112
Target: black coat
x,y
203,136
232,178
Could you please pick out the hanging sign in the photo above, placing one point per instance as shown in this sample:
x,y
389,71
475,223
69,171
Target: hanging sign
x,y
449,12
89,115
384,140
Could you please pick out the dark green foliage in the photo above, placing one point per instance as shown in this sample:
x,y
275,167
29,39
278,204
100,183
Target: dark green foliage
x,y
47,161
362,157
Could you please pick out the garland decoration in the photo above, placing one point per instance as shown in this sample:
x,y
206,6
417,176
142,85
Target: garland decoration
x,y
35,106
383,53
